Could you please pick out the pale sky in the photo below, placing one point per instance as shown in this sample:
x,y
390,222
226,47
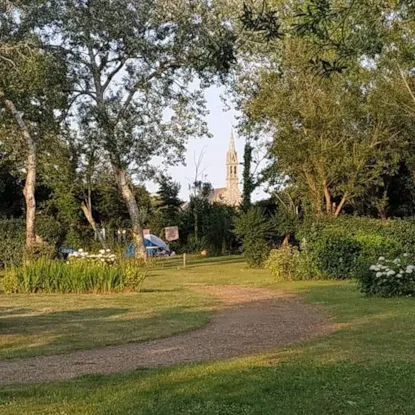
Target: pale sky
x,y
220,123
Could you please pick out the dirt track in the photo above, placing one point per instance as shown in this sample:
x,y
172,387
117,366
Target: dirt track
x,y
250,320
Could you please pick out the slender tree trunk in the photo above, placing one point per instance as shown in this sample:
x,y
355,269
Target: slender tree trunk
x,y
87,210
341,204
327,198
30,183
131,203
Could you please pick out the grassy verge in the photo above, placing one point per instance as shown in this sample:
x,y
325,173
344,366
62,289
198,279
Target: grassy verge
x,y
40,324
366,367
33,325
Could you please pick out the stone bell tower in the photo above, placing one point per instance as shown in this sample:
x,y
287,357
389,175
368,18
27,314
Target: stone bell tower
x,y
233,194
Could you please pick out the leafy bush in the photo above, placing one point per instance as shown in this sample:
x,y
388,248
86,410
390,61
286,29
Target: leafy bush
x,y
133,277
389,278
373,247
12,241
336,255
10,282
289,263
49,276
253,229
281,262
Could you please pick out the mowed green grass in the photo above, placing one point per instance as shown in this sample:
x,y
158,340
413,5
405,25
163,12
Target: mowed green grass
x,y
366,367
32,325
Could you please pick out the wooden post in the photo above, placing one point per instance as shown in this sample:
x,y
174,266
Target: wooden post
x,y
184,260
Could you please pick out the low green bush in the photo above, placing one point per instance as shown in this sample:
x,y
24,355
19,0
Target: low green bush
x,y
336,255
373,247
290,264
389,278
51,276
281,262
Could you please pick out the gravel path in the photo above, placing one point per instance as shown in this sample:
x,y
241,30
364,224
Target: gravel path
x,y
250,320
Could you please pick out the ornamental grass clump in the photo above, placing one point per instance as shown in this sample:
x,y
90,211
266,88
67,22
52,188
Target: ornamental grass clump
x,y
389,278
74,276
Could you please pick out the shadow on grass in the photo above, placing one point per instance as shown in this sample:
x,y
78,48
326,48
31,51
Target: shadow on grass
x,y
246,386
11,311
31,324
65,331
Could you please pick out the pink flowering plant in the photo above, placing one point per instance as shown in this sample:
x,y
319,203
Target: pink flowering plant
x,y
389,277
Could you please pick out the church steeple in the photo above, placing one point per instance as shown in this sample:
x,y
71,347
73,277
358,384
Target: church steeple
x,y
232,163
229,195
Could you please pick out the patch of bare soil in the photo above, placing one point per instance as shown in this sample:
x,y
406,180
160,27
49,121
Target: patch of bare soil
x,y
249,321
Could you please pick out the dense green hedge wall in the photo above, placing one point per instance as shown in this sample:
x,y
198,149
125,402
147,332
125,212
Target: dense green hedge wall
x,y
399,231
12,237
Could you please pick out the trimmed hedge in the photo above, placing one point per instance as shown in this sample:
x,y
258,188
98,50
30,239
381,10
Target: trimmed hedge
x,y
400,231
345,247
336,255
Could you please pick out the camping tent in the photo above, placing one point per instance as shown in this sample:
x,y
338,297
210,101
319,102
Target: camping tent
x,y
156,241
152,243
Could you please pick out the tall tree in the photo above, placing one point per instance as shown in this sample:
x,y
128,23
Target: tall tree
x,y
331,138
31,94
133,63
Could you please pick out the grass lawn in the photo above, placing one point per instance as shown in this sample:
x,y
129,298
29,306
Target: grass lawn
x,y
33,325
366,367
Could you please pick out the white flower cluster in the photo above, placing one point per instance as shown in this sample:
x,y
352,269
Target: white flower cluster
x,y
104,256
396,268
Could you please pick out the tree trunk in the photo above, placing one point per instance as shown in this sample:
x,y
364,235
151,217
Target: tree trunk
x,y
341,204
30,183
29,194
87,209
327,198
131,203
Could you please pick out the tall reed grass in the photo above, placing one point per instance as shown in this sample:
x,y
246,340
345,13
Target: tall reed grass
x,y
51,276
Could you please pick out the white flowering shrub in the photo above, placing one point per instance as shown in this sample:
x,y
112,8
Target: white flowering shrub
x,y
389,278
105,256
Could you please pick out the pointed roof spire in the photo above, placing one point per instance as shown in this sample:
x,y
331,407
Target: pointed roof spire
x,y
232,142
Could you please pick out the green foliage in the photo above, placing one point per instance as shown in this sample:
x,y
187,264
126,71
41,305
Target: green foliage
x,y
49,276
253,229
288,263
49,229
389,278
12,241
281,262
248,181
373,247
10,282
336,255
400,231
134,276
11,189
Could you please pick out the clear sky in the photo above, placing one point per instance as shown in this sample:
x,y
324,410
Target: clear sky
x,y
220,121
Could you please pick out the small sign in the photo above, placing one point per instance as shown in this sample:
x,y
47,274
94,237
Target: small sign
x,y
172,233
146,232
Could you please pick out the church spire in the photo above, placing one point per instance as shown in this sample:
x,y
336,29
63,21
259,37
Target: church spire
x,y
231,162
232,143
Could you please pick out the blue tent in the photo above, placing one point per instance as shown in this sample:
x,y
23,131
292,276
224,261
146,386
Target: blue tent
x,y
152,243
